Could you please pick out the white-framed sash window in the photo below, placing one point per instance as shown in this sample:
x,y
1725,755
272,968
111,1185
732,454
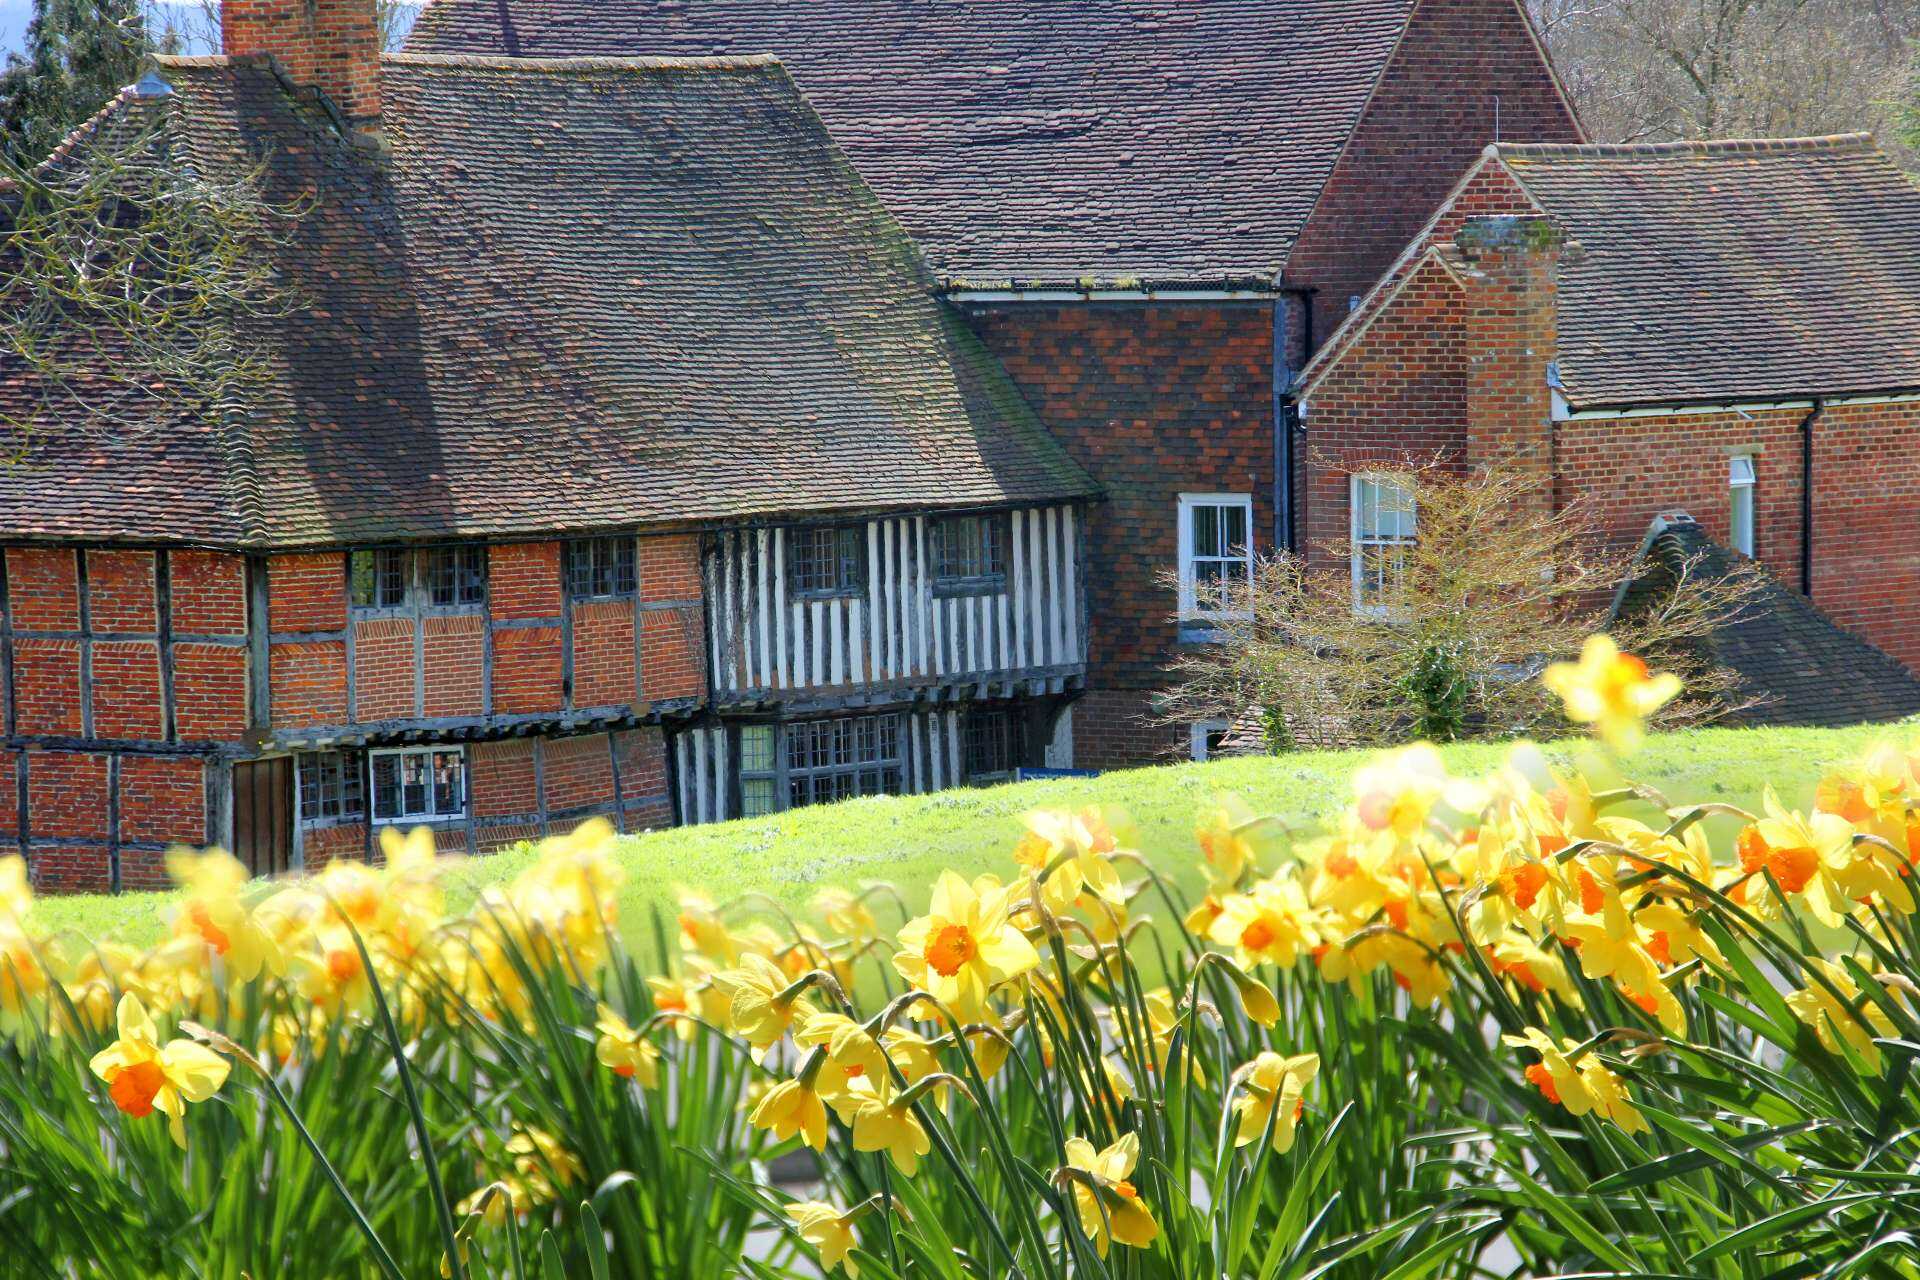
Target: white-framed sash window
x,y
1216,552
1383,528
1740,495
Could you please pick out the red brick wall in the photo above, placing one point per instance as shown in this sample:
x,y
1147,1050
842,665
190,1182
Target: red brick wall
x,y
673,648
1398,394
321,845
209,591
528,675
643,778
126,690
209,692
307,593
308,683
383,670
333,45
162,801
43,589
1115,728
1431,116
1154,401
454,662
578,772
67,795
46,687
523,580
505,778
603,653
120,591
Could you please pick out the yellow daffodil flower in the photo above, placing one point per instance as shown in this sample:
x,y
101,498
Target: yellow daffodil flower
x,y
964,946
1111,1209
1612,691
624,1051
828,1230
1274,1093
144,1076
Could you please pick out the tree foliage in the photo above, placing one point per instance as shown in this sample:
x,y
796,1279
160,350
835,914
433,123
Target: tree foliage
x,y
1495,586
78,54
1662,70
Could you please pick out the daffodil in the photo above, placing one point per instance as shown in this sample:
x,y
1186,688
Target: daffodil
x,y
1066,853
1273,1093
845,913
214,913
1269,924
964,946
792,1107
1610,690
828,1230
1110,1208
624,1051
760,1010
1589,1086
144,1076
891,1126
1855,1020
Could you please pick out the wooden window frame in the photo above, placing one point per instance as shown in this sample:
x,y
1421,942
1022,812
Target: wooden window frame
x,y
1189,506
433,813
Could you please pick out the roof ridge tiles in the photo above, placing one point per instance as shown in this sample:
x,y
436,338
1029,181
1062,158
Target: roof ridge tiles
x,y
1703,147
503,62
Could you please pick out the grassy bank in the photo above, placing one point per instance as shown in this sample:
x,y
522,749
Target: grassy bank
x,y
907,840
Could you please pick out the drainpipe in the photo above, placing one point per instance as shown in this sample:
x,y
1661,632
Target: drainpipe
x,y
1287,424
1806,495
1282,437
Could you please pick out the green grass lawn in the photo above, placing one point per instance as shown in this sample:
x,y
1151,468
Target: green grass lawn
x,y
909,840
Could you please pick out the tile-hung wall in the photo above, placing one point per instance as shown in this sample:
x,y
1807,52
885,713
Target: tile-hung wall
x,y
782,625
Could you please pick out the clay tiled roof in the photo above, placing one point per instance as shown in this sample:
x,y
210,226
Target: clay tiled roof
x,y
1795,664
1034,142
579,295
1731,270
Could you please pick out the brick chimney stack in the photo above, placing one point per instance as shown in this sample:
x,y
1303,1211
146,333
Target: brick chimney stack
x,y
1512,335
332,45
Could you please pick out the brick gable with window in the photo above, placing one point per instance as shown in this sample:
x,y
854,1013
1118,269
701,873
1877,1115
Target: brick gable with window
x,y
1508,333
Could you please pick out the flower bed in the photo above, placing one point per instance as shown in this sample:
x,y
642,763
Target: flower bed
x,y
1539,1015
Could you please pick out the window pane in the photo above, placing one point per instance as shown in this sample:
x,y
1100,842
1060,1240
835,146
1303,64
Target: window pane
x,y
756,796
449,784
756,748
386,786
1206,531
1233,526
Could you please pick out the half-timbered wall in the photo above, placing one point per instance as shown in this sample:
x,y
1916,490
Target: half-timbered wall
x,y
932,758
900,628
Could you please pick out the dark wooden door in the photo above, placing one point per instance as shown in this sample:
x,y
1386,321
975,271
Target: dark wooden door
x,y
263,815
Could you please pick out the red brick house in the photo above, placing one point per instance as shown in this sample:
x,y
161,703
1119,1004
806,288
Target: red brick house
x,y
1149,209
620,459
1726,329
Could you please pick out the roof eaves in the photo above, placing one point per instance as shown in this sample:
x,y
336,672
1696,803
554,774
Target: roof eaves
x,y
1362,317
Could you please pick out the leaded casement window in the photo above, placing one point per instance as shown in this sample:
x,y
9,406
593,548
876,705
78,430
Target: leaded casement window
x,y
991,750
379,578
827,561
1384,528
969,554
419,784
395,578
601,568
835,759
330,788
1740,496
1216,553
759,770
455,577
